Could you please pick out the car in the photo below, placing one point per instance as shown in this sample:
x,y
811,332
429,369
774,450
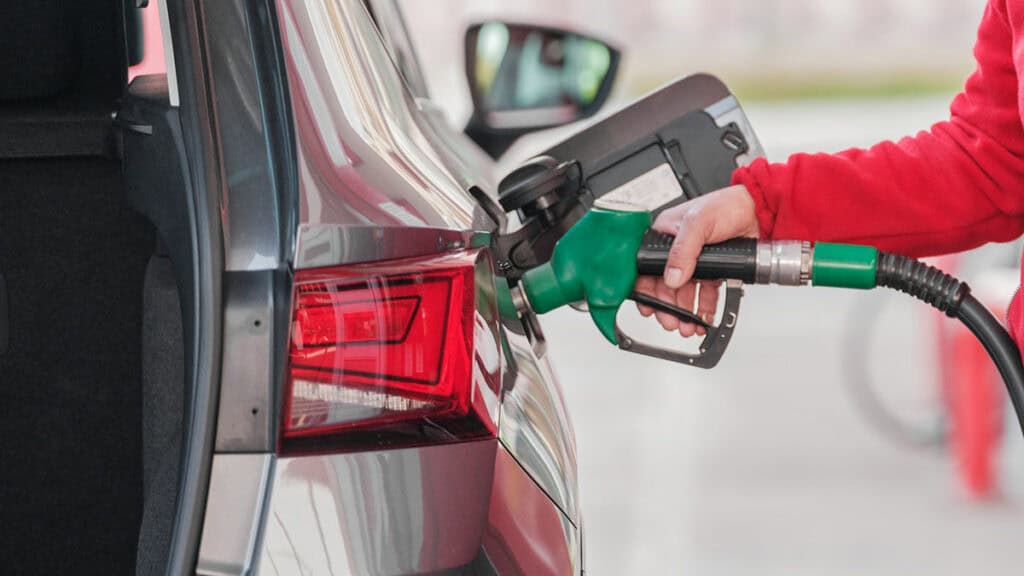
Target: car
x,y
249,320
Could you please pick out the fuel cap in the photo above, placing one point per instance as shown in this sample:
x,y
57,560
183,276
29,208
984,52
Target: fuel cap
x,y
536,184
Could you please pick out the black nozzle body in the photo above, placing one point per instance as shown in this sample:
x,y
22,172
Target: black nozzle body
x,y
734,259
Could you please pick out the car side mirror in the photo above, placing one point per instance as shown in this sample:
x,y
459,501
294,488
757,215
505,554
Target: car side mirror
x,y
525,78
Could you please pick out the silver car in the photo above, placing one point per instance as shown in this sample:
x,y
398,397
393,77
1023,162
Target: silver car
x,y
248,311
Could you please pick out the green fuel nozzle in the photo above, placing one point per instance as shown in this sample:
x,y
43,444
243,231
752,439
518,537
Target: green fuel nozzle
x,y
578,242
598,260
594,262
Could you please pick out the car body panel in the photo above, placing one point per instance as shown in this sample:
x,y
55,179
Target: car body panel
x,y
360,170
362,157
367,170
525,535
411,511
535,426
407,511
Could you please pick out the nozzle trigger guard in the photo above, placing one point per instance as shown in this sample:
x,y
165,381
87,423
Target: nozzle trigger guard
x,y
712,348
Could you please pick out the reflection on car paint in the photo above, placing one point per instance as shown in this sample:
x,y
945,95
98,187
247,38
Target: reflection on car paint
x,y
535,426
405,511
525,535
362,156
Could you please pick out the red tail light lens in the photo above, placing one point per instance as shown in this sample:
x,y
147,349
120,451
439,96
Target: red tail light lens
x,y
383,356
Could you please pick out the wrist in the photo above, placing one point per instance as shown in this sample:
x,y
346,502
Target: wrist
x,y
751,178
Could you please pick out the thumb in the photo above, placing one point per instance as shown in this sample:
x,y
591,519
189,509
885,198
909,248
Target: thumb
x,y
720,215
692,234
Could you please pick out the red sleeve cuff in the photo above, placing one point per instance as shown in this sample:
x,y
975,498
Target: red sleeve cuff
x,y
754,177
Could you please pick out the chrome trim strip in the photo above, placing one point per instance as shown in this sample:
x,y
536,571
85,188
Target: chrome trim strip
x,y
234,511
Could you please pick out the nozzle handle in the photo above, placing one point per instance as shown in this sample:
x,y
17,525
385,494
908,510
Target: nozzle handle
x,y
734,259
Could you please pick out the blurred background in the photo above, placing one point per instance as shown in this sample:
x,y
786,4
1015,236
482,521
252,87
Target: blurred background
x,y
843,433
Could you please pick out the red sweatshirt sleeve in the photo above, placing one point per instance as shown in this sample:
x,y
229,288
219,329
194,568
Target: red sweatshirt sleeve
x,y
952,188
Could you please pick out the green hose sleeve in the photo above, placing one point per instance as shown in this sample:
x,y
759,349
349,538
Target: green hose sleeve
x,y
844,266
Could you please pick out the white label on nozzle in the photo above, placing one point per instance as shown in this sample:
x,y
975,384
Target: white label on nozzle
x,y
647,192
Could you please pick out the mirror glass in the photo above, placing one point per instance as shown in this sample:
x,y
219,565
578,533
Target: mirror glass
x,y
526,75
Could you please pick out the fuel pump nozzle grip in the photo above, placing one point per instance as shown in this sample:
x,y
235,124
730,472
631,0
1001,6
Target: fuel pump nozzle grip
x,y
598,260
594,262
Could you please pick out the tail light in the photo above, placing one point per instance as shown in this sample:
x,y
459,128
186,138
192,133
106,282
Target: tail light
x,y
384,356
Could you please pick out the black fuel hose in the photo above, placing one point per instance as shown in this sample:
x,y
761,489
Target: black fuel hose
x,y
1000,347
848,266
950,295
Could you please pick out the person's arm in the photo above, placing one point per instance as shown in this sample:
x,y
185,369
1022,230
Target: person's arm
x,y
955,187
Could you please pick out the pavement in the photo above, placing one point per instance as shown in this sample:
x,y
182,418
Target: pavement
x,y
763,465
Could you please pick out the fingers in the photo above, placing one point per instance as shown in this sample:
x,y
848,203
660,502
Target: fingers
x,y
707,303
720,215
646,285
691,236
715,217
684,299
666,294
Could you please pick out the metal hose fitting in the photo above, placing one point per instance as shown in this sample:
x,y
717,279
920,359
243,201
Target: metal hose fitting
x,y
784,262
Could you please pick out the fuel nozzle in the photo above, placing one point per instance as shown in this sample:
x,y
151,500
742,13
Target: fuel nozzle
x,y
598,260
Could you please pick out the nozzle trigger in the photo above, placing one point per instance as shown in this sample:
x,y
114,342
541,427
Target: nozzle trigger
x,y
711,348
662,306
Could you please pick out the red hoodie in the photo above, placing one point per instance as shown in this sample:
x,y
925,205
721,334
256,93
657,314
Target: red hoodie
x,y
954,187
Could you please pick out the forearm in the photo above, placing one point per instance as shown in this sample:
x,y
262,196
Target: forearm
x,y
946,190
954,187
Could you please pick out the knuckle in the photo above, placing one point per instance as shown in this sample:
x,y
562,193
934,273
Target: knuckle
x,y
669,219
690,220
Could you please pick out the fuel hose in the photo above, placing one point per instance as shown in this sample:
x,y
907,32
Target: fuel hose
x,y
793,263
934,287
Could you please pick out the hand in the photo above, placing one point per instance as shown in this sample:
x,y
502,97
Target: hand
x,y
715,217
